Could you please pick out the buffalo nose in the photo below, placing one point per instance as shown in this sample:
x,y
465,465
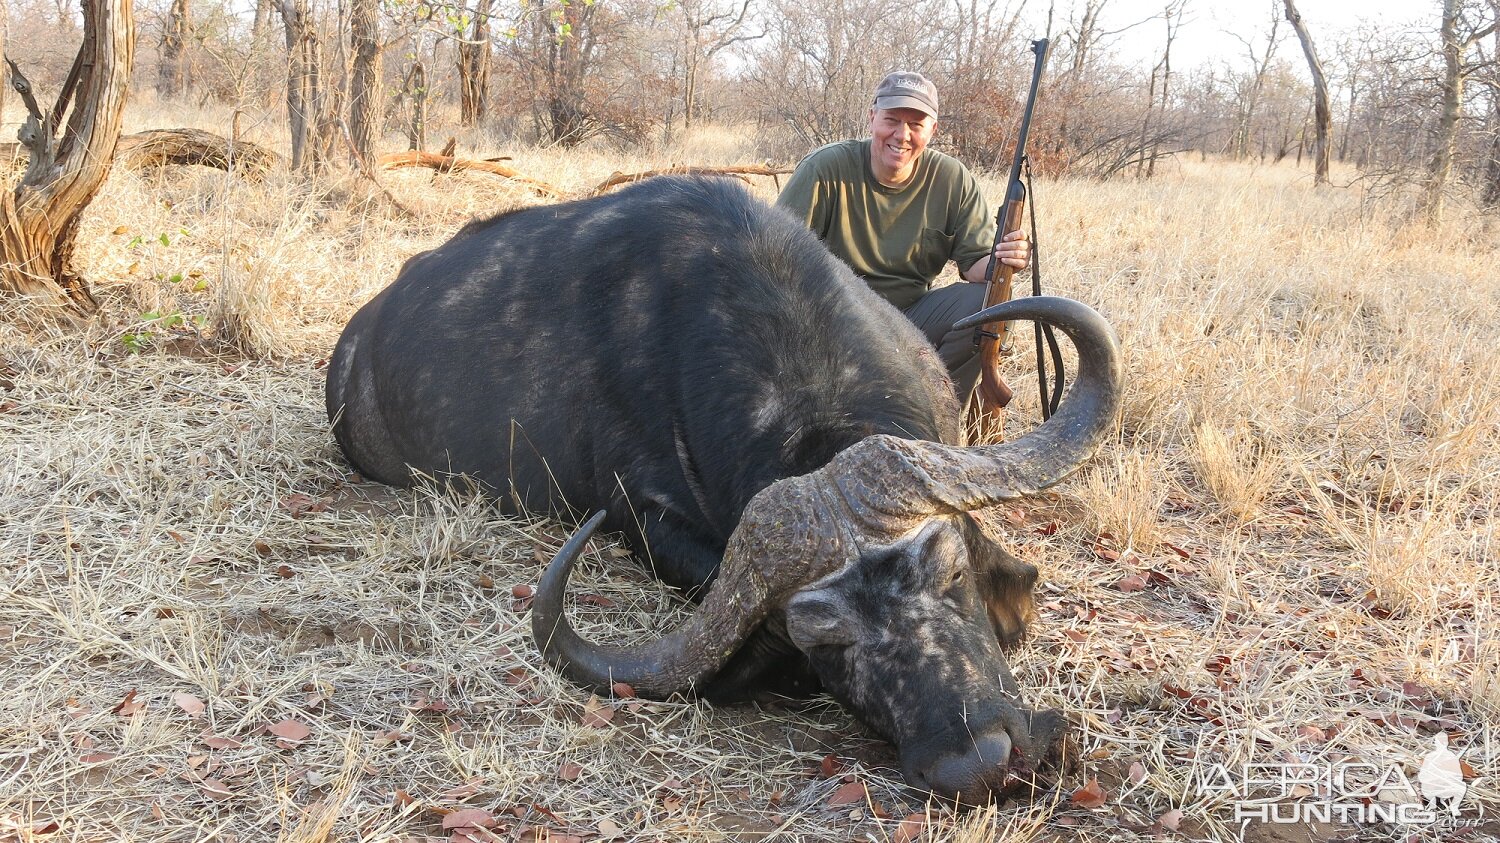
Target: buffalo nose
x,y
975,777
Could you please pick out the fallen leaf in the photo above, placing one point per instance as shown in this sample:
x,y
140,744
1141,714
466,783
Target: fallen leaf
x,y
188,703
609,831
298,504
130,705
1416,691
521,591
622,690
1178,550
401,798
1311,734
569,771
597,714
463,791
486,581
596,600
1133,582
426,703
1091,795
910,828
1137,772
468,818
216,790
285,572
1171,819
290,730
849,794
830,766
97,757
213,742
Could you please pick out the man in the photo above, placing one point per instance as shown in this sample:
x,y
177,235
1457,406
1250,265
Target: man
x,y
898,212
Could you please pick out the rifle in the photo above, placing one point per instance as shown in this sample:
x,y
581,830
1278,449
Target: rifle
x,y
993,393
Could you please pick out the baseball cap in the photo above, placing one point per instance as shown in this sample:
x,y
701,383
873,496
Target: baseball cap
x,y
905,89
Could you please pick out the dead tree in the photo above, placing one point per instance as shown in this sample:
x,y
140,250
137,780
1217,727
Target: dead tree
x,y
4,71
1172,14
708,29
474,67
172,76
364,77
1455,43
301,80
1241,139
1322,112
415,88
68,161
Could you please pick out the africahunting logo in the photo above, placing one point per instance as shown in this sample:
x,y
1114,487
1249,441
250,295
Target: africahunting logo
x,y
1344,791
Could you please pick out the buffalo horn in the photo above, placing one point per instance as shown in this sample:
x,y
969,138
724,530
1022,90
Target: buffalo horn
x,y
887,478
739,599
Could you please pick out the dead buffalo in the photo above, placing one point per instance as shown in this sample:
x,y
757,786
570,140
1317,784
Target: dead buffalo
x,y
767,432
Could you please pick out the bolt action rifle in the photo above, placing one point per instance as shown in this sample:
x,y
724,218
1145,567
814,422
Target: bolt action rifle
x,y
993,393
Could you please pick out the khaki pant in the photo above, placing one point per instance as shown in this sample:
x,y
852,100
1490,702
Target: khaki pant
x,y
935,314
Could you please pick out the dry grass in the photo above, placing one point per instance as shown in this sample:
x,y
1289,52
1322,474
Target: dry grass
x,y
1306,478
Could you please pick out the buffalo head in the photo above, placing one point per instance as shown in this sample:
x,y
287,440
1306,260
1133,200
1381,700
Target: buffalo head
x,y
880,577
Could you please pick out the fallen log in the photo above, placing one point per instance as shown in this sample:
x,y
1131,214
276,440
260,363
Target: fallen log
x,y
739,171
160,147
450,164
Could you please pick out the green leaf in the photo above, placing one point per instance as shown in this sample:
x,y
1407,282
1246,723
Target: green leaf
x,y
134,241
175,278
200,285
164,240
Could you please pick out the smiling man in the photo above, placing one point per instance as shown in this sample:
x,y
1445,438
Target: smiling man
x,y
898,213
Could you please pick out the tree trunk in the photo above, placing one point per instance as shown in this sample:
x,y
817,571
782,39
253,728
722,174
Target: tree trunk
x,y
474,67
328,97
172,75
1322,112
262,18
1448,115
364,77
4,71
300,74
68,163
416,130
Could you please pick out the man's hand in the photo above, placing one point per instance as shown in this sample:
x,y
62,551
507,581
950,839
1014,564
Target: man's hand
x,y
1014,250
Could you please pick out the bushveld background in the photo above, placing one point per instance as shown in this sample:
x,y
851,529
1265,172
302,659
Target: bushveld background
x,y
211,629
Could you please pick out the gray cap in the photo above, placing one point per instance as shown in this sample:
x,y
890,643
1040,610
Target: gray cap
x,y
905,89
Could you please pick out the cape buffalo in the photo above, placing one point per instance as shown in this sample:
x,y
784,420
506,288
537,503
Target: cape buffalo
x,y
767,432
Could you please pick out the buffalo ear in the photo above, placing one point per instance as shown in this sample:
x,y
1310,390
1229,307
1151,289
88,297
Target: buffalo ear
x,y
818,618
1005,584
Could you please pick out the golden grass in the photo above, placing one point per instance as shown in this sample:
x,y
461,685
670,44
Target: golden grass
x,y
1306,474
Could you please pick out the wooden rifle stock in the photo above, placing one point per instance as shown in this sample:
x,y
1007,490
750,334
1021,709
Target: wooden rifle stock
x,y
993,393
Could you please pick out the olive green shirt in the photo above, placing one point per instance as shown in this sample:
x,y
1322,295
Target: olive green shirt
x,y
897,238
